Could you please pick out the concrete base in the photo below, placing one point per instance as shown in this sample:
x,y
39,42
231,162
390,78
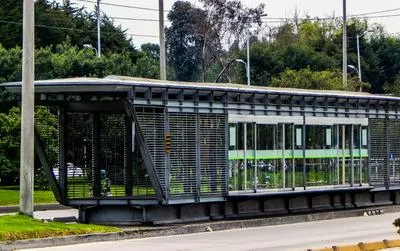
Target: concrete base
x,y
238,206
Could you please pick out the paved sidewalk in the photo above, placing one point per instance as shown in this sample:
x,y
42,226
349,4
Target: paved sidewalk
x,y
37,207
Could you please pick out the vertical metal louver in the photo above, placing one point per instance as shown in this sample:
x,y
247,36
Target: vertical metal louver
x,y
151,120
79,155
112,154
182,163
212,154
394,152
47,126
378,151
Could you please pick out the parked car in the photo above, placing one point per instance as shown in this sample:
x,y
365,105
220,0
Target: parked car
x,y
72,171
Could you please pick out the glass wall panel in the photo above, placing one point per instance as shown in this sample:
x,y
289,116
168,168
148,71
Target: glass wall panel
x,y
250,136
274,155
265,137
232,136
240,136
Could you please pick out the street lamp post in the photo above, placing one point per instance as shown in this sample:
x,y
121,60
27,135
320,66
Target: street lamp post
x,y
248,56
246,65
89,46
344,46
248,49
98,52
353,68
358,52
231,62
163,64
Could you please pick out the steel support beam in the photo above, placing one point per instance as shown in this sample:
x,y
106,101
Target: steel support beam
x,y
47,169
144,150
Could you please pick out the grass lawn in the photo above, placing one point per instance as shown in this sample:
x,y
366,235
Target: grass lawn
x,y
19,227
10,196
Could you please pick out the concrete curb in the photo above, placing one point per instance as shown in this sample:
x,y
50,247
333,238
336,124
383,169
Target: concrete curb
x,y
143,232
363,246
37,207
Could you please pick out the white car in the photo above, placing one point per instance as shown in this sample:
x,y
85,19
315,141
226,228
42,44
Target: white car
x,y
72,171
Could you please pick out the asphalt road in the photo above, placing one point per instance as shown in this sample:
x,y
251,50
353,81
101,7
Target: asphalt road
x,y
284,237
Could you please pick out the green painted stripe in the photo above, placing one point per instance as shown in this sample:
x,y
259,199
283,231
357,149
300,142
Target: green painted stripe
x,y
298,154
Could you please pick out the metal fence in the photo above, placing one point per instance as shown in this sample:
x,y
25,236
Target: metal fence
x,y
384,162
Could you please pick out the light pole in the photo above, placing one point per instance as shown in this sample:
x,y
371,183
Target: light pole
x,y
98,29
246,65
353,68
89,46
231,62
163,64
248,49
358,52
344,52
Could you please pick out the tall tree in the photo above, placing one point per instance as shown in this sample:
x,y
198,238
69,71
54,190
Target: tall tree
x,y
183,41
55,22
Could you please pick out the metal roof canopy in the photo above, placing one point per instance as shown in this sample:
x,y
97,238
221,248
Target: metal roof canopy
x,y
119,84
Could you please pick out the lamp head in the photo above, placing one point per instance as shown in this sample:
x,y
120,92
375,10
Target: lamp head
x,y
352,68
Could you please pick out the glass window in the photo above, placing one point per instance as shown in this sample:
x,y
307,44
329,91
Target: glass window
x,y
299,137
364,136
240,136
288,136
250,136
232,136
328,139
356,136
265,137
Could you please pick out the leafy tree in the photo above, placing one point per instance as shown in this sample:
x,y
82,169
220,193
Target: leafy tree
x,y
393,88
319,80
9,146
152,50
385,52
182,41
55,22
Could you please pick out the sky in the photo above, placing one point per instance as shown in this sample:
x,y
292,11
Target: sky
x,y
147,31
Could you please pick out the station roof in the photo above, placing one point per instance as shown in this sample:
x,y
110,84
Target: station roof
x,y
119,84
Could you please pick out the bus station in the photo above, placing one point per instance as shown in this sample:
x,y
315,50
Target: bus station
x,y
147,151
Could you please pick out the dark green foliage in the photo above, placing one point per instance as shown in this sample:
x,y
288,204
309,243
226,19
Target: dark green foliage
x,y
56,22
307,79
393,88
183,43
9,146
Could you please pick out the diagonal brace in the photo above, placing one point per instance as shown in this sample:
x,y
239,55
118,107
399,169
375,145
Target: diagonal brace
x,y
47,169
144,150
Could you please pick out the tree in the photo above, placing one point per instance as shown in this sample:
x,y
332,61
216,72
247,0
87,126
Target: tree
x,y
55,22
319,80
182,41
152,50
393,88
385,52
9,146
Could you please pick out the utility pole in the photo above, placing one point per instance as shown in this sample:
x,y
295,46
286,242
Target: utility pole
x,y
248,55
27,112
98,29
163,71
344,46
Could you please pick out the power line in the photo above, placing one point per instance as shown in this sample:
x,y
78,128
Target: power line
x,y
376,12
121,5
137,19
74,29
359,16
